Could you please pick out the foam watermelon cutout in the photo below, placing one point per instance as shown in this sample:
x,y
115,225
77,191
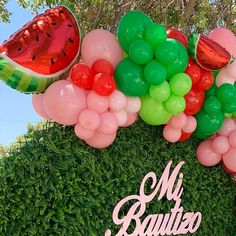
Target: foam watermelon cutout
x,y
39,53
207,53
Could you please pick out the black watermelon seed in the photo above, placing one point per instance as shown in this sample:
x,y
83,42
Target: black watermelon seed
x,y
19,49
61,11
69,25
37,38
49,35
64,53
71,40
54,23
52,61
34,57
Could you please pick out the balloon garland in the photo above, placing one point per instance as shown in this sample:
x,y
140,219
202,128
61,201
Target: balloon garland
x,y
150,71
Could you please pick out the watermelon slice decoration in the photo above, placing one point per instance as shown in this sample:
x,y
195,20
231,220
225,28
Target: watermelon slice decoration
x,y
207,53
39,53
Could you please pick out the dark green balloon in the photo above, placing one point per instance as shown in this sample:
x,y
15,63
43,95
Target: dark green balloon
x,y
200,135
229,107
226,93
131,27
212,105
211,91
130,78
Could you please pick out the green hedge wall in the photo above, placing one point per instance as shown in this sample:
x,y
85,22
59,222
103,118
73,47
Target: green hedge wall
x,y
54,184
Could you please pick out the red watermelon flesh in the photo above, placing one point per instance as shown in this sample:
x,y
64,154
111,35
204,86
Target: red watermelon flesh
x,y
47,46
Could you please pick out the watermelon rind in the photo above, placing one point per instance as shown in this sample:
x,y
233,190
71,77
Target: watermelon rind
x,y
192,45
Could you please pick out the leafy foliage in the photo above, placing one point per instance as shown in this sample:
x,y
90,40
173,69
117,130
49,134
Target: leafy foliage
x,y
54,184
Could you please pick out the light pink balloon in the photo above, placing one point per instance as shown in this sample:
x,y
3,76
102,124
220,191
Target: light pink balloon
x,y
89,119
101,44
224,78
131,118
231,70
100,140
171,134
117,101
229,159
190,125
83,133
97,103
232,139
212,137
133,104
63,102
228,127
205,154
109,123
121,117
37,102
178,121
225,38
220,144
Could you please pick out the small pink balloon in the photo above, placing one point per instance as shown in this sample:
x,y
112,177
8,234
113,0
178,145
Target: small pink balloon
x,y
178,121
121,117
109,123
100,140
205,154
228,127
37,102
101,44
220,144
83,133
133,104
232,139
224,78
229,159
190,125
63,102
171,134
117,101
89,119
131,118
98,103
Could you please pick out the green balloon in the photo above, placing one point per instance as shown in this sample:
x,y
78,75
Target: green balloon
x,y
161,92
155,73
130,79
155,34
228,115
212,105
140,52
131,27
229,107
226,93
152,112
211,91
200,135
175,104
180,84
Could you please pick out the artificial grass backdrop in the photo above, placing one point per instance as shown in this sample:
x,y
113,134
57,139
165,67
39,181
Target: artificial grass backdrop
x,y
56,185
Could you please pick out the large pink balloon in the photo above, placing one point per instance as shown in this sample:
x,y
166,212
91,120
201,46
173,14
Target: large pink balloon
x,y
225,38
89,119
109,123
205,154
64,101
98,103
100,140
228,127
178,121
101,44
171,134
37,102
191,125
229,159
220,144
224,78
83,133
231,70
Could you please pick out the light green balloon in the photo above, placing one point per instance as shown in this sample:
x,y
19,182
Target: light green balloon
x,y
175,104
152,112
161,92
180,84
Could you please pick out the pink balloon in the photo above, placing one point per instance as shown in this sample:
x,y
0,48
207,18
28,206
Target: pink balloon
x,y
205,154
224,78
100,140
178,121
121,117
232,139
220,144
83,133
109,123
229,159
225,38
89,119
228,127
37,102
231,70
171,134
131,118
98,103
117,101
133,104
190,125
101,44
63,102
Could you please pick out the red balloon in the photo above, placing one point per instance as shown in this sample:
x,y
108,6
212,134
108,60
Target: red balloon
x,y
104,84
185,136
227,169
194,71
194,101
177,35
103,66
206,81
82,76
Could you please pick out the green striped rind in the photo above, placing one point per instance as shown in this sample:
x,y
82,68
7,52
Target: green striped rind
x,y
22,81
192,45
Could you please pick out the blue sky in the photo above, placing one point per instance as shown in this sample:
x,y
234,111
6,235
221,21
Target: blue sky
x,y
16,110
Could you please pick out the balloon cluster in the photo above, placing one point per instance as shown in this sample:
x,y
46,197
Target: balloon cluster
x,y
220,147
